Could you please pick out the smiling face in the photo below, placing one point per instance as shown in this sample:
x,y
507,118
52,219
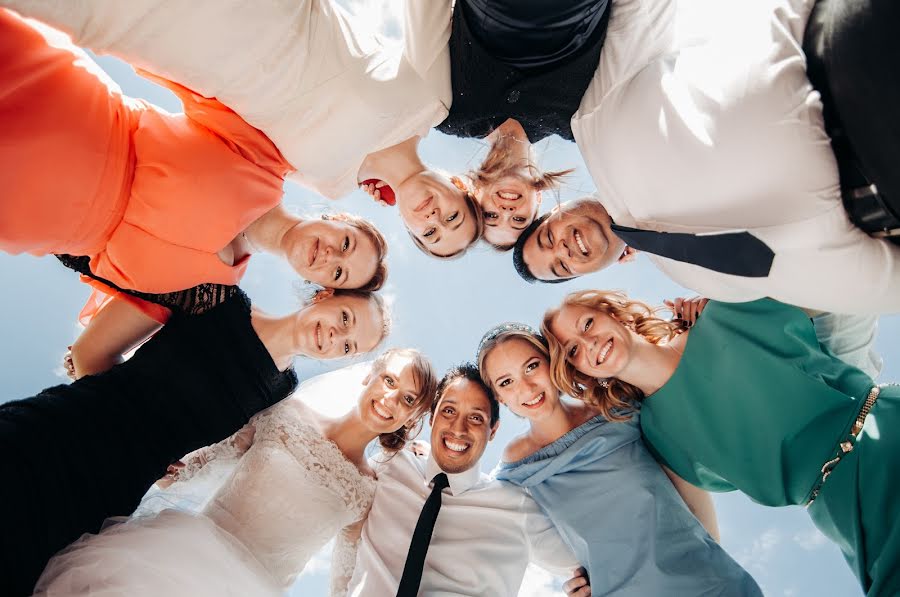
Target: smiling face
x,y
575,240
331,253
391,396
593,342
461,426
338,326
520,377
437,213
509,205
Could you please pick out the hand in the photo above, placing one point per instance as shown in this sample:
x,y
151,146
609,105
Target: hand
x,y
578,585
69,364
629,254
373,188
419,448
171,475
687,310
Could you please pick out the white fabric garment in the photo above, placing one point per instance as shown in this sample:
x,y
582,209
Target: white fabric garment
x,y
291,492
486,533
700,119
316,80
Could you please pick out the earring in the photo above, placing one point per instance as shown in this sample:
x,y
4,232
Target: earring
x,y
604,382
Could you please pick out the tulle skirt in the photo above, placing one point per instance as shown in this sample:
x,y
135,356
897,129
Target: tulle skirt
x,y
175,553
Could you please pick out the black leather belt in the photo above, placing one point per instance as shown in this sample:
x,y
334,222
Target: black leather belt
x,y
867,208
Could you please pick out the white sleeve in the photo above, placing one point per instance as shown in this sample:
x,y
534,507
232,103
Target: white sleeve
x,y
850,338
206,45
546,546
838,269
232,447
343,558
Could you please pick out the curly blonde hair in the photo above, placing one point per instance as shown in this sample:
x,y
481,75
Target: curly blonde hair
x,y
616,397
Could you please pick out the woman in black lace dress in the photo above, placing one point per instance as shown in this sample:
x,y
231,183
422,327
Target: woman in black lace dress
x,y
74,455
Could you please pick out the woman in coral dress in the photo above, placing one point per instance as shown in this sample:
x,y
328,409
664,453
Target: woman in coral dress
x,y
88,171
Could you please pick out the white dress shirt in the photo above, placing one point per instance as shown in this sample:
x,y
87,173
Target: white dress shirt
x,y
486,533
316,80
700,119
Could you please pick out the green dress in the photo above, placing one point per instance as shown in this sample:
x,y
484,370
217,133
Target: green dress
x,y
757,405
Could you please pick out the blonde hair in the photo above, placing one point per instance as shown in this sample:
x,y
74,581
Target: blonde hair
x,y
500,162
366,227
383,309
616,395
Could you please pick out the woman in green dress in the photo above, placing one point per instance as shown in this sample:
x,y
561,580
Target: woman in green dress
x,y
746,399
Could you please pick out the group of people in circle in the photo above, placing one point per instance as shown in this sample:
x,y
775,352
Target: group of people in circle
x,y
709,146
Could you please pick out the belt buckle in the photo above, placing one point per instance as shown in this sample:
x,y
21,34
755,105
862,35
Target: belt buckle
x,y
867,209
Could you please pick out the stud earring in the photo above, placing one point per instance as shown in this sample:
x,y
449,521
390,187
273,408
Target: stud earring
x,y
604,382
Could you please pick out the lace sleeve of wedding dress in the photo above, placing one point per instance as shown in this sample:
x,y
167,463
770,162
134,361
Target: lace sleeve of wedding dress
x,y
343,558
232,447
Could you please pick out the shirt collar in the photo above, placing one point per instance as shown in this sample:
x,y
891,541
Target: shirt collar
x,y
459,482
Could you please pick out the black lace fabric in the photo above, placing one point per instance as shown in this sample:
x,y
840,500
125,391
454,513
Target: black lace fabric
x,y
192,301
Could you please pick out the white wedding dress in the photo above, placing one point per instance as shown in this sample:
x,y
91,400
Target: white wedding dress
x,y
290,493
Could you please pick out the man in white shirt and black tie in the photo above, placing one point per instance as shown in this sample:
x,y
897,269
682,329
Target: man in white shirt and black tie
x,y
439,526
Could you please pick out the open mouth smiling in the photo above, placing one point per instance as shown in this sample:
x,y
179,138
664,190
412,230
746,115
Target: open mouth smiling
x,y
579,241
455,446
537,401
604,352
381,411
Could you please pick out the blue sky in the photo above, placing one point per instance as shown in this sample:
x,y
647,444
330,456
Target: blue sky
x,y
441,308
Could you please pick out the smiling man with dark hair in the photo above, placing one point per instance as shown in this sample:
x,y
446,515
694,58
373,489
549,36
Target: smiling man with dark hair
x,y
438,525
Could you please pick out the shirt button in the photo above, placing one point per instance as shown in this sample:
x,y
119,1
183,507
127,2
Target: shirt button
x,y
513,96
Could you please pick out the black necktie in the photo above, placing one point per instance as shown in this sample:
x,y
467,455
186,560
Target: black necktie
x,y
735,253
418,547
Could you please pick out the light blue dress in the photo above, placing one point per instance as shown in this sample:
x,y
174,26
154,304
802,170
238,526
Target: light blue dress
x,y
623,518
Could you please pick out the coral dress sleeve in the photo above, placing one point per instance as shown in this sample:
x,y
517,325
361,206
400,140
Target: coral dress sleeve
x,y
102,295
212,114
200,179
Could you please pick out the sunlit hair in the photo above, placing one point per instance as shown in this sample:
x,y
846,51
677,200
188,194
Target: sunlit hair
x,y
618,397
501,162
383,309
366,227
537,341
474,212
470,372
426,382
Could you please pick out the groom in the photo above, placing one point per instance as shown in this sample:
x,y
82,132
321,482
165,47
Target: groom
x,y
440,526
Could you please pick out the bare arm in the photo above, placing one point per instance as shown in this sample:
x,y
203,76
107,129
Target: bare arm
x,y
115,330
698,502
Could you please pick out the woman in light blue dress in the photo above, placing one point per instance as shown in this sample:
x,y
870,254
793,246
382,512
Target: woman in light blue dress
x,y
609,499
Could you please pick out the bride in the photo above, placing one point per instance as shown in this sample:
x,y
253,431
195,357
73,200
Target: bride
x,y
301,479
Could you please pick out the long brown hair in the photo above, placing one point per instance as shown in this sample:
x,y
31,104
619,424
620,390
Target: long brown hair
x,y
426,381
615,397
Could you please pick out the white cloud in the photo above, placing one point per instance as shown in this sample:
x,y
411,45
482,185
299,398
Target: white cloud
x,y
320,563
810,540
757,557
